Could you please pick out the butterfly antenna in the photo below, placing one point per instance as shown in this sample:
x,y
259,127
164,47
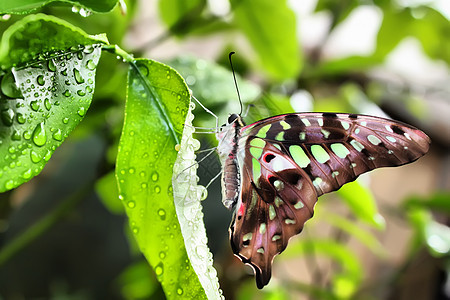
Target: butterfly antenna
x,y
235,81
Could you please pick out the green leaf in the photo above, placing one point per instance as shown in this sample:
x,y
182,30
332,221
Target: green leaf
x,y
433,234
137,281
155,112
179,13
187,196
106,188
361,203
270,27
27,6
56,93
426,24
37,35
339,9
356,231
439,202
213,84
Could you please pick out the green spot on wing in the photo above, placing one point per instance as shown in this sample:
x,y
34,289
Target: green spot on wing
x,y
299,156
256,168
340,150
319,153
262,133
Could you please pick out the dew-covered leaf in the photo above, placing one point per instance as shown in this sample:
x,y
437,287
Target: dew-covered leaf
x,y
270,27
155,112
55,95
187,196
36,35
27,6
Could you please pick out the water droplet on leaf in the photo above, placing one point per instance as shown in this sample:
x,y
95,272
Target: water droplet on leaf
x,y
57,135
90,65
34,105
155,176
9,87
7,116
162,214
39,135
35,157
159,269
40,80
81,111
78,78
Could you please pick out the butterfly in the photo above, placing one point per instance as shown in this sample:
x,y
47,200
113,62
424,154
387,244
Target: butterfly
x,y
275,169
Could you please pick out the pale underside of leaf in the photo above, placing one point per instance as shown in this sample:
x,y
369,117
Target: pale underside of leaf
x,y
187,195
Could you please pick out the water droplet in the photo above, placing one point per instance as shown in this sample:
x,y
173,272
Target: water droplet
x,y
142,173
162,214
159,269
27,135
121,198
7,116
9,87
144,185
179,291
81,111
78,78
27,174
39,135
131,133
162,254
47,104
131,170
90,65
155,176
47,155
157,189
9,184
34,105
20,118
131,204
57,135
40,80
144,70
35,157
15,136
12,149
65,120
81,93
51,65
67,93
135,230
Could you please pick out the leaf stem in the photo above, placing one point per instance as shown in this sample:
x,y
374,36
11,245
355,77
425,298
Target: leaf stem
x,y
45,223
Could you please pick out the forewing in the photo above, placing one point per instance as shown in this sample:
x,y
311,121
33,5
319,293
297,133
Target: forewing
x,y
289,160
334,149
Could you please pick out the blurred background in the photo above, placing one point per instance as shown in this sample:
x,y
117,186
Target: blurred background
x,y
63,235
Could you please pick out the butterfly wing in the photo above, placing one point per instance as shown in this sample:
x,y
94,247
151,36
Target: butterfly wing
x,y
288,161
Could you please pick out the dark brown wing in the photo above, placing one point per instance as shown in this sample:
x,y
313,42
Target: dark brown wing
x,y
290,160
